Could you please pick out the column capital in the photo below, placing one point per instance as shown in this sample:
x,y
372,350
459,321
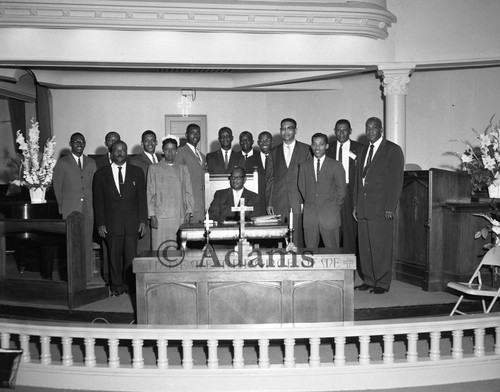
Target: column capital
x,y
396,78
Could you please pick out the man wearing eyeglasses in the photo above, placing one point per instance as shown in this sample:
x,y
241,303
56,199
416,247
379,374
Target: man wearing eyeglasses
x,y
282,191
225,199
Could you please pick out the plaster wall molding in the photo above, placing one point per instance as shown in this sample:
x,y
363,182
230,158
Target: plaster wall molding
x,y
368,18
396,80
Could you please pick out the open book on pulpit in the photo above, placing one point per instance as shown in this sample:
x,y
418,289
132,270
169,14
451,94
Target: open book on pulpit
x,y
266,220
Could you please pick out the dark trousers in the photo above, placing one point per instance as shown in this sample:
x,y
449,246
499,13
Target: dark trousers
x,y
349,227
122,250
375,251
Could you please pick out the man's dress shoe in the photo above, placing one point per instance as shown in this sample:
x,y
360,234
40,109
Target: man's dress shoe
x,y
378,290
362,287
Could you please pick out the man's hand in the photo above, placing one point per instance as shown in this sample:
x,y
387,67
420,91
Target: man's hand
x,y
355,214
389,215
187,217
102,231
154,222
270,210
142,229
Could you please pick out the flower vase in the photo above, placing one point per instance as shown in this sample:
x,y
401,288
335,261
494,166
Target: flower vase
x,y
494,191
37,195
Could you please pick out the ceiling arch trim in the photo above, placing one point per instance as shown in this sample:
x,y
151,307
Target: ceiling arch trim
x,y
357,18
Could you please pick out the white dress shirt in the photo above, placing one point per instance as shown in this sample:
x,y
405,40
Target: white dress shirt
x,y
114,169
288,151
346,148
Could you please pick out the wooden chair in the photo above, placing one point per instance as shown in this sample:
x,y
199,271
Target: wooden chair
x,y
215,182
475,286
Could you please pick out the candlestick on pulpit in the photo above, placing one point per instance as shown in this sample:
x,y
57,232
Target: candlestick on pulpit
x,y
206,222
291,246
243,244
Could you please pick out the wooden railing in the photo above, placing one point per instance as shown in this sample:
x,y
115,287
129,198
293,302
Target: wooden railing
x,y
305,357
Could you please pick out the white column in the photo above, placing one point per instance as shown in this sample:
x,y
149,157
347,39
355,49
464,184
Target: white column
x,y
395,80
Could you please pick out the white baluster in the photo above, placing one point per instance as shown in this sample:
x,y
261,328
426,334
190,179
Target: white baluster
x,y
289,352
364,350
187,354
162,353
457,351
412,353
67,355
388,355
314,358
5,340
114,358
25,346
264,353
339,356
434,351
45,356
238,361
138,359
213,360
479,342
497,340
90,359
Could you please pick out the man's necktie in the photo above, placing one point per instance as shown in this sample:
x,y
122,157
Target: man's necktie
x,y
79,163
265,162
288,155
317,169
154,158
225,160
246,157
369,161
340,153
120,179
198,155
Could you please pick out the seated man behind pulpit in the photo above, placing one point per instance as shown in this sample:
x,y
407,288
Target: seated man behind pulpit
x,y
225,199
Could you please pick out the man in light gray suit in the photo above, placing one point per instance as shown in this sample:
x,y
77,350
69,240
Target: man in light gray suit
x,y
190,156
72,181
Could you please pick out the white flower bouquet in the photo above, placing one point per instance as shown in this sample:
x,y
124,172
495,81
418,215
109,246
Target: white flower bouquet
x,y
37,167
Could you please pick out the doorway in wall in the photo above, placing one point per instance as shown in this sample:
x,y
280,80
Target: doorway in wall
x,y
176,124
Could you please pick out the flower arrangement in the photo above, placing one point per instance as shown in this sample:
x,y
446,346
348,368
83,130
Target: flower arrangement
x,y
483,162
36,170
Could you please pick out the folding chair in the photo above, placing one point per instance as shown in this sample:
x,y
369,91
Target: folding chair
x,y
476,287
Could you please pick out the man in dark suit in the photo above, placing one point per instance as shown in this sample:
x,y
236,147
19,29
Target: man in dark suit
x,y
346,151
190,156
109,140
225,159
121,214
225,199
100,161
72,182
147,157
377,187
251,160
322,186
282,192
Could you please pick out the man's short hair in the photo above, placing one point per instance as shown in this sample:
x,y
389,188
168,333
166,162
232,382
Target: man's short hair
x,y
246,133
319,134
374,119
119,142
243,172
75,135
343,121
169,140
191,126
225,129
289,120
146,133
265,133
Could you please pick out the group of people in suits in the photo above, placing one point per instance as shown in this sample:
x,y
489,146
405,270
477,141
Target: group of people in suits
x,y
342,194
